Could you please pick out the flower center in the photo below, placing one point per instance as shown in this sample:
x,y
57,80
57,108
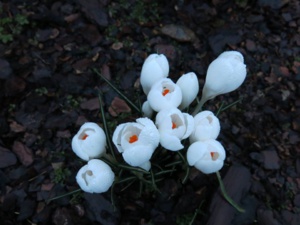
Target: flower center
x,y
165,91
214,155
133,138
84,137
174,125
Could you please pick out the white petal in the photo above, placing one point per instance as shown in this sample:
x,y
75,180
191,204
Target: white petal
x,y
117,135
195,152
146,166
147,110
95,177
149,134
232,54
154,68
170,142
158,101
189,86
224,74
189,123
138,154
89,142
208,167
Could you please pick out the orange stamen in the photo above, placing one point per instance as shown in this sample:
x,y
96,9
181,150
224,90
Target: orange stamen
x,y
133,139
212,154
174,125
165,92
84,137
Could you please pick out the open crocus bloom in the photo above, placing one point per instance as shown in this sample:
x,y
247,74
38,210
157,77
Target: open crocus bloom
x,y
225,74
164,94
89,142
207,156
173,126
95,177
137,141
154,68
207,126
189,86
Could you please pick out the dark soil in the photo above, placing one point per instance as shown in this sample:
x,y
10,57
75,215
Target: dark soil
x,y
49,88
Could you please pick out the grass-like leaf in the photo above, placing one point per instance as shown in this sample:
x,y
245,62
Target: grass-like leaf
x,y
118,91
226,196
106,127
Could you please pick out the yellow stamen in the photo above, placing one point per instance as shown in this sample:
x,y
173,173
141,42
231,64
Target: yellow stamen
x,y
133,139
165,92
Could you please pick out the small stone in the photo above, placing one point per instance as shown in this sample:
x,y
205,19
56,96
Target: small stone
x,y
179,33
5,69
91,104
7,158
250,45
271,160
118,106
24,153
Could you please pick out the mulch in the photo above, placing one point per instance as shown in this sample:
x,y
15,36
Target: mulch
x,y
49,88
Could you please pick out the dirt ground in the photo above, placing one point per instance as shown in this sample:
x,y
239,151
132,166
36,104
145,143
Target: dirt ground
x,y
49,52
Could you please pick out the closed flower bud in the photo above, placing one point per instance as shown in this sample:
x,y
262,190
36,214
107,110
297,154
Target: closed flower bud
x,y
189,86
154,68
95,177
207,156
225,74
164,94
89,142
207,126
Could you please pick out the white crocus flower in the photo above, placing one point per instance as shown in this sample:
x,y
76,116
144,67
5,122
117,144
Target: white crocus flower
x,y
137,141
89,142
173,126
189,86
164,94
207,126
225,74
147,110
154,68
207,156
95,177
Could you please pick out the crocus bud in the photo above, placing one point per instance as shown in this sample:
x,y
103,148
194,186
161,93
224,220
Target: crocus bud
x,y
189,86
95,177
147,110
207,126
225,74
164,94
89,142
207,156
154,68
137,141
173,126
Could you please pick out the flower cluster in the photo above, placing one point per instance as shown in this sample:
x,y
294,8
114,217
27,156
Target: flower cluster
x,y
137,141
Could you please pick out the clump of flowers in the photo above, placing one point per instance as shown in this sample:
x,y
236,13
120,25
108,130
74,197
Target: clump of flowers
x,y
171,128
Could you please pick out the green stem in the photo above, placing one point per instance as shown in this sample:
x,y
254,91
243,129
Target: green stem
x,y
226,196
199,107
